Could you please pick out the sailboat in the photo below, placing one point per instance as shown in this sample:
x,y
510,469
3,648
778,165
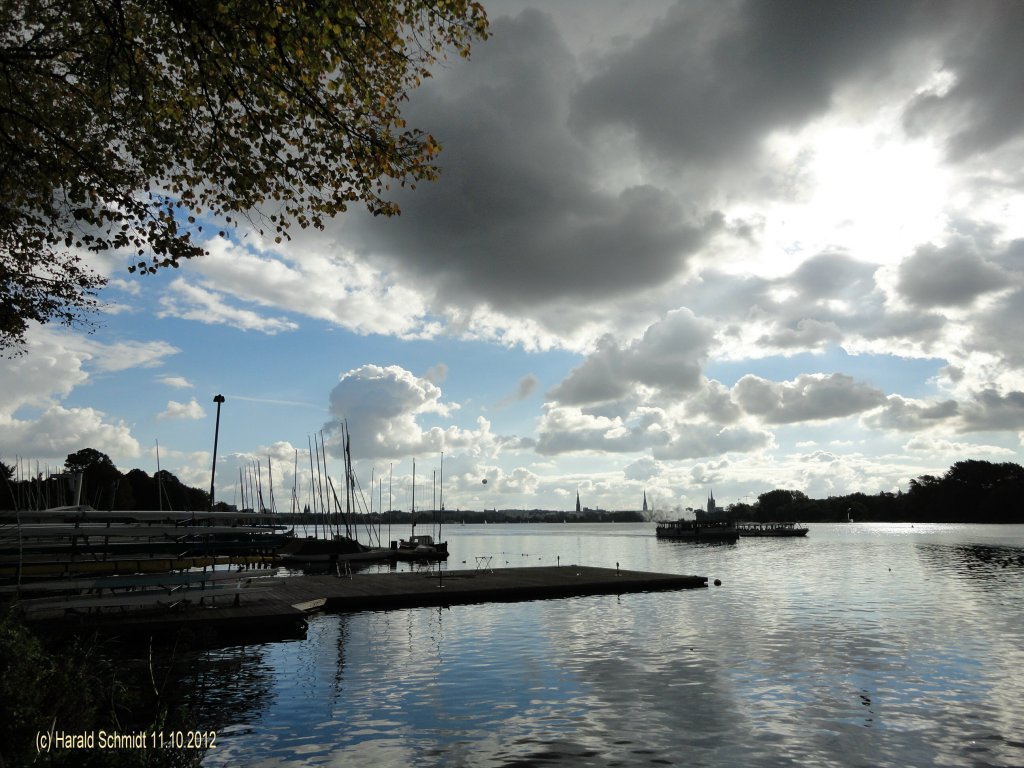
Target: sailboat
x,y
333,546
422,546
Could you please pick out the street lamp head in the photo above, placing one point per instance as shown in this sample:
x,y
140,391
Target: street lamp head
x,y
218,399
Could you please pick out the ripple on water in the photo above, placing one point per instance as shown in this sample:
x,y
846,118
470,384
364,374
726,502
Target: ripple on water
x,y
860,645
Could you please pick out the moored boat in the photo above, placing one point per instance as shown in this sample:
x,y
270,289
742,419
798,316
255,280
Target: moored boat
x,y
768,530
322,550
422,547
697,530
419,546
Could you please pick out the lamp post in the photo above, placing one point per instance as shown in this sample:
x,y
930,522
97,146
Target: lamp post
x,y
218,399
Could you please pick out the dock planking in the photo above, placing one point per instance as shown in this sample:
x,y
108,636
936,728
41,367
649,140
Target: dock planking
x,y
286,601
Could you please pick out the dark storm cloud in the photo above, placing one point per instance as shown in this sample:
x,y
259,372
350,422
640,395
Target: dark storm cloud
x,y
529,217
953,276
998,329
833,275
991,410
905,415
710,80
983,109
668,358
984,411
517,218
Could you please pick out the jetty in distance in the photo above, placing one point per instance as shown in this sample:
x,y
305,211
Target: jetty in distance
x,y
255,602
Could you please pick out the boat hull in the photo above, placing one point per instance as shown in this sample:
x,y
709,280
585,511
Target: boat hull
x,y
771,530
689,530
422,547
437,552
339,549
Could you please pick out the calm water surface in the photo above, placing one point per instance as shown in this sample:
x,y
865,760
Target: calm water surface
x,y
861,645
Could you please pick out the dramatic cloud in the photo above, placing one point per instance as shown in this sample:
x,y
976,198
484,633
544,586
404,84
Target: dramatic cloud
x,y
713,403
992,410
906,415
809,397
711,80
521,217
754,244
997,331
382,406
976,107
952,276
667,358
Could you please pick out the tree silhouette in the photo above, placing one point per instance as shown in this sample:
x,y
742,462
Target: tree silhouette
x,y
128,126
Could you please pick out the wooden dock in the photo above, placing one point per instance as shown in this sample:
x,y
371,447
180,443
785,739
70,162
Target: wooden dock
x,y
280,603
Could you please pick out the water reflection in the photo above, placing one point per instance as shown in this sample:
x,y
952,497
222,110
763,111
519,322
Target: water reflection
x,y
976,561
852,647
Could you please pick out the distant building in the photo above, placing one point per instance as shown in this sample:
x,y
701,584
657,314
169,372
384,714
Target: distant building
x,y
578,507
713,511
645,501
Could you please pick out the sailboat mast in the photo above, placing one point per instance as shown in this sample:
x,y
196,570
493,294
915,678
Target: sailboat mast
x,y
350,484
258,474
270,479
295,479
159,495
312,487
320,487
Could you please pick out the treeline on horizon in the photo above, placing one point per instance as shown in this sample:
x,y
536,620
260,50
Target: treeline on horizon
x,y
104,487
971,491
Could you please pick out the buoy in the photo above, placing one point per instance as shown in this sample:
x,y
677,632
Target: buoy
x,y
718,582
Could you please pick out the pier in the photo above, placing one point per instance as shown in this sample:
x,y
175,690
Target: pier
x,y
239,603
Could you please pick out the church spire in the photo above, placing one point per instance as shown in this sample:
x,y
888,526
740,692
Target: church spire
x,y
645,500
577,499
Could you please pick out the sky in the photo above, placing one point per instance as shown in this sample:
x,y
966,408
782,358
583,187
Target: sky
x,y
675,249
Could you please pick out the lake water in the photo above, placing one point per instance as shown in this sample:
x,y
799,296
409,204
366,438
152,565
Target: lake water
x,y
861,645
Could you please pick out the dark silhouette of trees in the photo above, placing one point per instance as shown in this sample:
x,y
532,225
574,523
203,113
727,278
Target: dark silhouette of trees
x,y
971,491
103,487
100,478
772,503
6,486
